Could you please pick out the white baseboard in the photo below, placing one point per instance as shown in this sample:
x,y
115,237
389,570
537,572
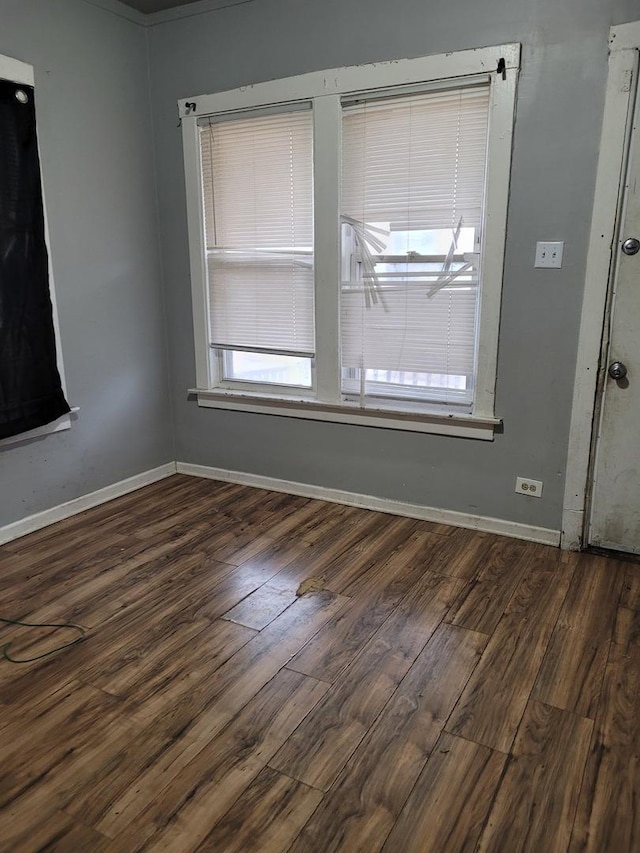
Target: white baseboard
x,y
544,535
69,508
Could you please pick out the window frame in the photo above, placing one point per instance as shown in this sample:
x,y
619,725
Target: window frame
x,y
327,90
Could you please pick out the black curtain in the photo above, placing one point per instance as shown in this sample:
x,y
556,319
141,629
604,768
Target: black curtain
x,y
30,388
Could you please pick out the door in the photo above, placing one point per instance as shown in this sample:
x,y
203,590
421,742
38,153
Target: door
x,y
615,496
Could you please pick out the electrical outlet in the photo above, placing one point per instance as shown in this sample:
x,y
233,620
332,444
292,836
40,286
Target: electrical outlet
x,y
549,254
525,486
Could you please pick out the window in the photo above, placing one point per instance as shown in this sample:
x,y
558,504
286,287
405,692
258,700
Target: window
x,y
257,178
346,239
412,200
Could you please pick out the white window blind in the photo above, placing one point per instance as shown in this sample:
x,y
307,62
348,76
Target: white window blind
x,y
257,177
413,178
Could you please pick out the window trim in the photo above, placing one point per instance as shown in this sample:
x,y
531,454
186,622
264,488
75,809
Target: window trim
x,y
327,90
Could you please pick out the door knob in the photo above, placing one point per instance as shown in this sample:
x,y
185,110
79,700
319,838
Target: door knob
x,y
617,370
631,246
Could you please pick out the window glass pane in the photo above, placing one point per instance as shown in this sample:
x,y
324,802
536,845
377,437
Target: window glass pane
x,y
408,379
405,384
432,242
267,368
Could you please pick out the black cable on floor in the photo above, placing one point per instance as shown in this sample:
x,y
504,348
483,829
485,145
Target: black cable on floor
x,y
5,650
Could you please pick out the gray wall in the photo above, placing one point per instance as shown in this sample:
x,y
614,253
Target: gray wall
x,y
559,113
96,140
95,136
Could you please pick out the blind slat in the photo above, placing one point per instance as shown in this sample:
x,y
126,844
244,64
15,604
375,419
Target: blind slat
x,y
257,176
410,331
398,155
414,165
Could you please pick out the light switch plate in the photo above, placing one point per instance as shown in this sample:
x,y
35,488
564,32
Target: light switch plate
x,y
549,254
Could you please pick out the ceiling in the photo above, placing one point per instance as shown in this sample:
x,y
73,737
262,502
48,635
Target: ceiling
x,y
148,6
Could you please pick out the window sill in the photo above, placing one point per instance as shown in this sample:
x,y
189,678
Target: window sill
x,y
463,426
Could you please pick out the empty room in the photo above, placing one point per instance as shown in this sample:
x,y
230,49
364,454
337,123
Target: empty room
x,y
318,333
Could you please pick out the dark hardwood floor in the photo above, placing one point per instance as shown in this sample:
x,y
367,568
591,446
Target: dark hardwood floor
x,y
435,689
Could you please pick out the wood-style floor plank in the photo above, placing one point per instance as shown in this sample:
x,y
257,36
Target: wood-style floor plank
x,y
193,710
111,580
483,600
181,815
536,803
260,607
303,523
322,744
210,707
450,801
336,645
342,554
51,831
608,817
145,667
461,554
292,562
492,705
335,518
266,818
630,596
362,806
573,668
38,743
61,773
353,568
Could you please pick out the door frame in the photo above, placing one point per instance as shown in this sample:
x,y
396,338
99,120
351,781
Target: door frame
x,y
624,52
